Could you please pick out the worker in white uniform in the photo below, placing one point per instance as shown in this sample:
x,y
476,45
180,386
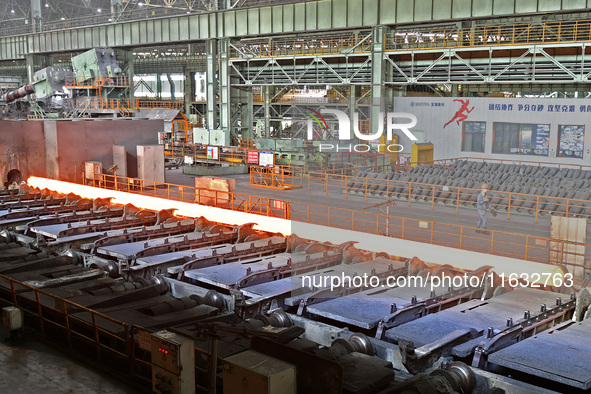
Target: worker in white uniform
x,y
482,205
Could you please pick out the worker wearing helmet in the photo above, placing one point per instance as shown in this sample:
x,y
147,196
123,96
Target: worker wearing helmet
x,y
482,204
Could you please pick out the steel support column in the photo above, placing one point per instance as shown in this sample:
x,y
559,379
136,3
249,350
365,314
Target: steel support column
x,y
116,8
225,87
243,96
248,117
352,104
130,74
388,89
158,86
35,63
125,61
36,18
268,92
189,91
377,80
212,84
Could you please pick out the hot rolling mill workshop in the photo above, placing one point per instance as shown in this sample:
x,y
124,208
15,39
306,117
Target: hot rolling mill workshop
x,y
325,196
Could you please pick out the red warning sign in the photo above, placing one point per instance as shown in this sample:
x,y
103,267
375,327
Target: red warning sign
x,y
253,157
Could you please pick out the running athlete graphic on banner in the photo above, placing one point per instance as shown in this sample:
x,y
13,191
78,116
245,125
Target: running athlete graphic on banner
x,y
460,115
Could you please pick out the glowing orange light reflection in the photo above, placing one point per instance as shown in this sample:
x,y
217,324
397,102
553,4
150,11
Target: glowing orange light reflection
x,y
156,203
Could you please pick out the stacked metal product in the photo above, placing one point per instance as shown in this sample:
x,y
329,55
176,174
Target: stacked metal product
x,y
553,186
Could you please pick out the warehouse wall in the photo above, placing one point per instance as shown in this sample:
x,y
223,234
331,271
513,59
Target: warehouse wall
x,y
59,148
21,147
92,140
433,113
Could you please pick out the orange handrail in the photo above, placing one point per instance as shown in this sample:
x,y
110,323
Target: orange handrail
x,y
166,104
485,36
67,325
453,195
80,82
309,46
198,152
277,177
502,243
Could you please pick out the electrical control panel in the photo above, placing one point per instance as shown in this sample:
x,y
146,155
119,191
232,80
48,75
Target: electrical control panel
x,y
165,382
173,363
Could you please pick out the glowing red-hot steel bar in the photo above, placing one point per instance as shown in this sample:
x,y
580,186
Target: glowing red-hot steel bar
x,y
156,203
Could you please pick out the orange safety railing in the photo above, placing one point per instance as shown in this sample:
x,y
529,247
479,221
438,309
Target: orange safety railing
x,y
76,328
99,102
454,196
526,247
347,170
279,47
362,158
245,142
523,162
79,82
181,130
484,36
238,155
450,162
73,82
351,166
81,332
520,246
233,155
109,104
343,159
122,104
120,81
234,201
301,99
166,104
198,154
277,177
295,99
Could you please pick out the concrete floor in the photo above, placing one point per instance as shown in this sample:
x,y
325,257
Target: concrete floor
x,y
520,224
31,367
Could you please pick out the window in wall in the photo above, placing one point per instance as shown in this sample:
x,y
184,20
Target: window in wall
x,y
473,136
521,138
506,137
570,141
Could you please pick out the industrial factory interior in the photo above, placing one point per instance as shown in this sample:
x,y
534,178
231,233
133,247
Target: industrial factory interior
x,y
290,196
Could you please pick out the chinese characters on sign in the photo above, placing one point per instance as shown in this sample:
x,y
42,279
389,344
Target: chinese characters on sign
x,y
540,108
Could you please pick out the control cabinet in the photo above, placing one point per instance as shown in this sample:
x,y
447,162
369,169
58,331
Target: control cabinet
x,y
421,153
173,363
